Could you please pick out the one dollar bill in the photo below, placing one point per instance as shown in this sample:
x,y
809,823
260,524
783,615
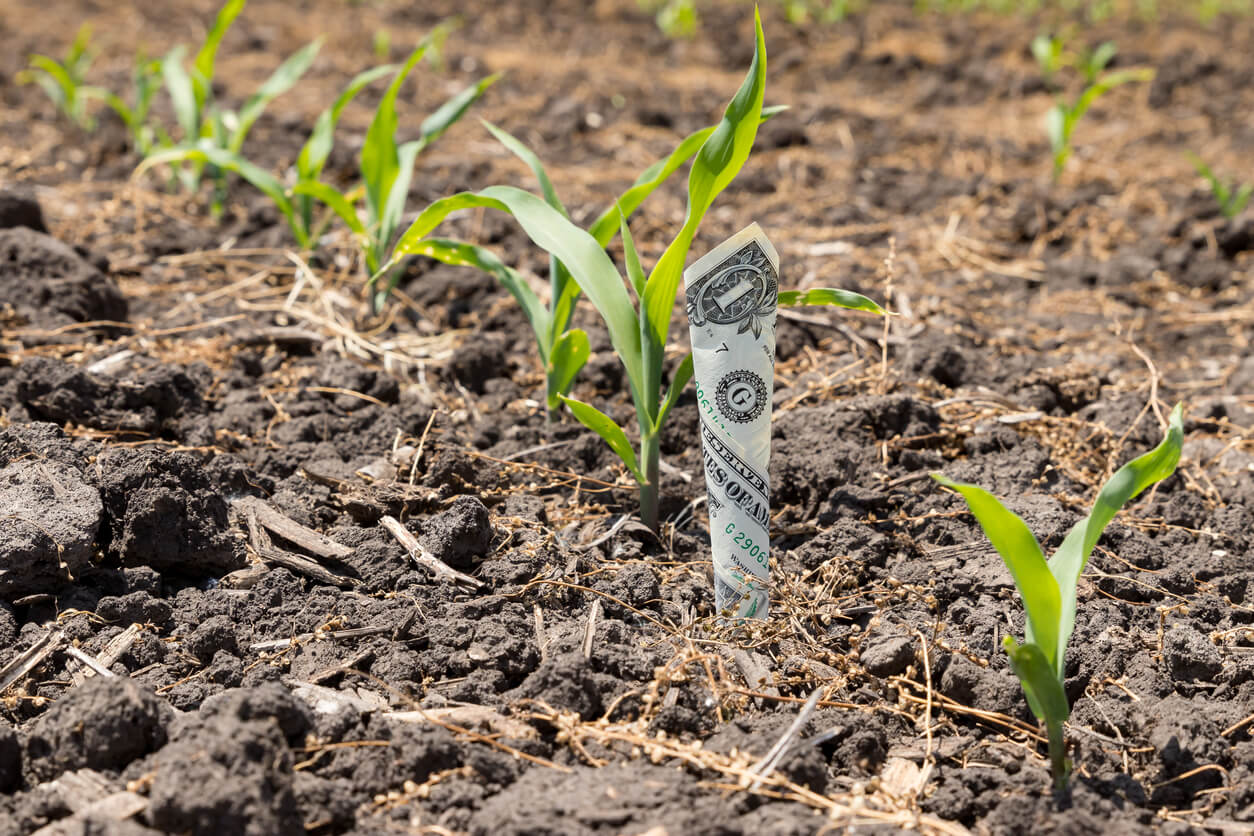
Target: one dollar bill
x,y
732,294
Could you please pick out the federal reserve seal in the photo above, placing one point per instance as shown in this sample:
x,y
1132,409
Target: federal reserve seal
x,y
741,396
741,291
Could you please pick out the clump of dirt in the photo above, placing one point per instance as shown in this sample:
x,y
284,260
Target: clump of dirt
x,y
50,284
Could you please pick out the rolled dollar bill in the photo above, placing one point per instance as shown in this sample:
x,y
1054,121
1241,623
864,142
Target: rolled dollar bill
x,y
732,293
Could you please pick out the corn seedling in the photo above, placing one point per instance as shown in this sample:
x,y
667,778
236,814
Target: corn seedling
x,y
638,336
1063,117
205,124
1048,589
65,82
1231,196
385,168
563,351
145,81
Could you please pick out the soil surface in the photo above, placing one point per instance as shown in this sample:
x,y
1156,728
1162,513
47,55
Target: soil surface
x,y
202,440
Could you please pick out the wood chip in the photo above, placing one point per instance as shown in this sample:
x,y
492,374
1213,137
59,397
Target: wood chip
x,y
470,717
292,531
29,659
113,651
424,558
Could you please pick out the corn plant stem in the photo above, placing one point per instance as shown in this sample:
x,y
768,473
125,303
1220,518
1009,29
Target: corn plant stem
x,y
1057,753
650,456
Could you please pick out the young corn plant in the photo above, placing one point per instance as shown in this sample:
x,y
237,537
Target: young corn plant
x,y
205,124
1231,196
145,82
1048,589
65,82
638,336
385,168
1061,121
563,350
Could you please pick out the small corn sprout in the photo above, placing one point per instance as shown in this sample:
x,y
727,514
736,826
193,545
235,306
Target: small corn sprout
x,y
1063,117
385,167
65,82
206,125
1231,196
145,81
1048,589
638,337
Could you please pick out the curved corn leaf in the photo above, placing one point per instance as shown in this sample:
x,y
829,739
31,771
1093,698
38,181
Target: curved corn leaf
x,y
202,66
1103,86
570,352
604,426
651,178
716,165
258,177
829,296
634,271
458,253
1047,699
313,155
379,157
452,110
182,93
385,225
1072,556
1022,555
522,152
279,82
554,234
683,374
334,200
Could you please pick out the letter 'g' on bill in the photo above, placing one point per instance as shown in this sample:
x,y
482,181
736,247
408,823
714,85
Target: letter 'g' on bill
x,y
732,294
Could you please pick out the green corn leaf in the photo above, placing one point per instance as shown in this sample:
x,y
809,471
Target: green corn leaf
x,y
1099,59
829,296
563,290
336,201
1046,51
634,271
202,66
458,253
59,74
522,152
1022,555
1072,556
1239,201
604,426
1047,699
279,82
79,56
683,374
1217,186
182,95
1044,691
258,177
1103,86
394,205
313,155
379,157
556,235
570,352
115,103
716,165
606,224
446,114
1056,128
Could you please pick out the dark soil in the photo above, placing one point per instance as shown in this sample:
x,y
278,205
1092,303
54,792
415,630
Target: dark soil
x,y
153,384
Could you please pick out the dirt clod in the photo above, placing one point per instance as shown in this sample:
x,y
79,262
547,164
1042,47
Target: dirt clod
x,y
105,723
